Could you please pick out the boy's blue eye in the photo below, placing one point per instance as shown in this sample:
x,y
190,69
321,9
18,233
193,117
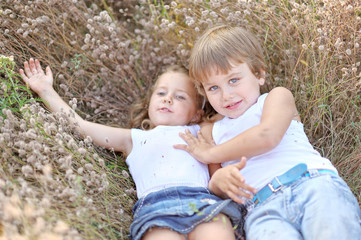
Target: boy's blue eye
x,y
234,80
213,88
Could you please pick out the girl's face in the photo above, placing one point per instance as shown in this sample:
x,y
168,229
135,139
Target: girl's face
x,y
232,93
173,102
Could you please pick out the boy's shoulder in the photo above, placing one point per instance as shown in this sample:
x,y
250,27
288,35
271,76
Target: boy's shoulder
x,y
279,95
280,90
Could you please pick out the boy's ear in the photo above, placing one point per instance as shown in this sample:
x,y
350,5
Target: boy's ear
x,y
262,77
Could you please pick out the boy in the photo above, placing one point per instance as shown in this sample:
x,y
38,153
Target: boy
x,y
300,195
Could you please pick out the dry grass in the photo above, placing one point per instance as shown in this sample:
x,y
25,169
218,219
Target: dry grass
x,y
105,53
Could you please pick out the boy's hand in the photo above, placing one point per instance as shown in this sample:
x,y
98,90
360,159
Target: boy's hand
x,y
35,78
199,147
228,182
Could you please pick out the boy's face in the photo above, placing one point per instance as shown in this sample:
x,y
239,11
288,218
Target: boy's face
x,y
173,102
233,93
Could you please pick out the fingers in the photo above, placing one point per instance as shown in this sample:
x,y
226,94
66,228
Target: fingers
x,y
200,136
239,196
238,181
188,137
38,66
21,72
191,139
49,73
241,164
27,69
32,67
181,147
236,198
24,77
239,191
247,189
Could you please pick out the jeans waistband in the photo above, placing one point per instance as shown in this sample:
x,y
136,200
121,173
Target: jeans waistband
x,y
285,179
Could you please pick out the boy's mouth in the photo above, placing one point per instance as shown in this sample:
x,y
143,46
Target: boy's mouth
x,y
233,105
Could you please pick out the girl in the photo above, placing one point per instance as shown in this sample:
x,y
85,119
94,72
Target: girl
x,y
174,202
300,194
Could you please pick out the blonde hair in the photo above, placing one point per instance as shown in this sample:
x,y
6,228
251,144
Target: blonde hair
x,y
221,45
139,117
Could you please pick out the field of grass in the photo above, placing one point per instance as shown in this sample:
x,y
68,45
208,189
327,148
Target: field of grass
x,y
105,54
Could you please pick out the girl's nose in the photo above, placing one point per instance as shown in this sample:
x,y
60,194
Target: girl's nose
x,y
167,99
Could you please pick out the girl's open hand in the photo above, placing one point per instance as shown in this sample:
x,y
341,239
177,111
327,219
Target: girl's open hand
x,y
198,147
35,78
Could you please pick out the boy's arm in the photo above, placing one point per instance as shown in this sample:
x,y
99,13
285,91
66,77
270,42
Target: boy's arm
x,y
226,182
118,139
278,111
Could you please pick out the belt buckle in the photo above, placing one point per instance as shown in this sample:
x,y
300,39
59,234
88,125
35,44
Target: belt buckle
x,y
271,186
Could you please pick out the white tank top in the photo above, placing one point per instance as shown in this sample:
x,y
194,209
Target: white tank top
x,y
293,149
154,164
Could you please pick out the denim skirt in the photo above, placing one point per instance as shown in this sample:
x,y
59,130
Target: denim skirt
x,y
182,209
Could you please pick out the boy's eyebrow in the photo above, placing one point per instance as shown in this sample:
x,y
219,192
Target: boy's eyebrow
x,y
232,74
206,84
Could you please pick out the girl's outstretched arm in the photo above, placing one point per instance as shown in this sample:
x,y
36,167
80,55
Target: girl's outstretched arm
x,y
118,139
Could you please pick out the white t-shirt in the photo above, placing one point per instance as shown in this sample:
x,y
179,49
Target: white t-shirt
x,y
293,149
155,164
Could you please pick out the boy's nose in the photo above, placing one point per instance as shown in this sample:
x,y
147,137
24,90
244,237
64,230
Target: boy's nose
x,y
227,94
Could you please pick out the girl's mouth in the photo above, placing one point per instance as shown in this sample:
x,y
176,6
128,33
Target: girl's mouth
x,y
164,109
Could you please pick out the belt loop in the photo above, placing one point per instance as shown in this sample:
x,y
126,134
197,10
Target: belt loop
x,y
313,172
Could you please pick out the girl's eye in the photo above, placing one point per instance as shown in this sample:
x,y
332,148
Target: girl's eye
x,y
180,97
233,80
213,88
161,93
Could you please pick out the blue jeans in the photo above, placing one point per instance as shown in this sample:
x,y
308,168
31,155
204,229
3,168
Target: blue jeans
x,y
319,207
182,209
